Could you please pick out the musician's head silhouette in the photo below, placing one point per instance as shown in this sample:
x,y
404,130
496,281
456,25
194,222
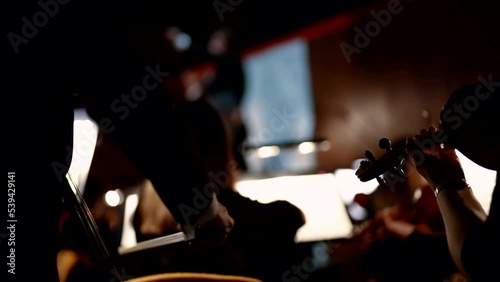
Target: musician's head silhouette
x,y
470,119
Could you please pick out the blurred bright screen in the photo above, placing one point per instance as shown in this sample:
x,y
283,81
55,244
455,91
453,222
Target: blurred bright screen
x,y
278,106
316,195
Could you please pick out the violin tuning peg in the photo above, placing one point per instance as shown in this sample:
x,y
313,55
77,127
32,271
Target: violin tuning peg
x,y
370,156
385,144
381,181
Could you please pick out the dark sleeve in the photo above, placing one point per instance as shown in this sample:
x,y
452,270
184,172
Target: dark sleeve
x,y
481,250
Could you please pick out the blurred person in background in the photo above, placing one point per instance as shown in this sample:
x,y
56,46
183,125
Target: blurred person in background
x,y
263,234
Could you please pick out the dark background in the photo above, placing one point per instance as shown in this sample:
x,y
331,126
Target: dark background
x,y
411,66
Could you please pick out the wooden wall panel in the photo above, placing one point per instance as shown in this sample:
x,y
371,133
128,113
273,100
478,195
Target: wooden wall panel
x,y
425,52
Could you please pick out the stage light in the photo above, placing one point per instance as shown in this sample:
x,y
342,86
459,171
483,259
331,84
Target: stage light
x,y
268,151
307,147
114,198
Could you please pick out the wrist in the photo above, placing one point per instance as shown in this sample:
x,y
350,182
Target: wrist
x,y
457,184
208,215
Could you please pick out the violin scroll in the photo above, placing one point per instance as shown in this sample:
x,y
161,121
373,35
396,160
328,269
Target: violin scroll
x,y
374,167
